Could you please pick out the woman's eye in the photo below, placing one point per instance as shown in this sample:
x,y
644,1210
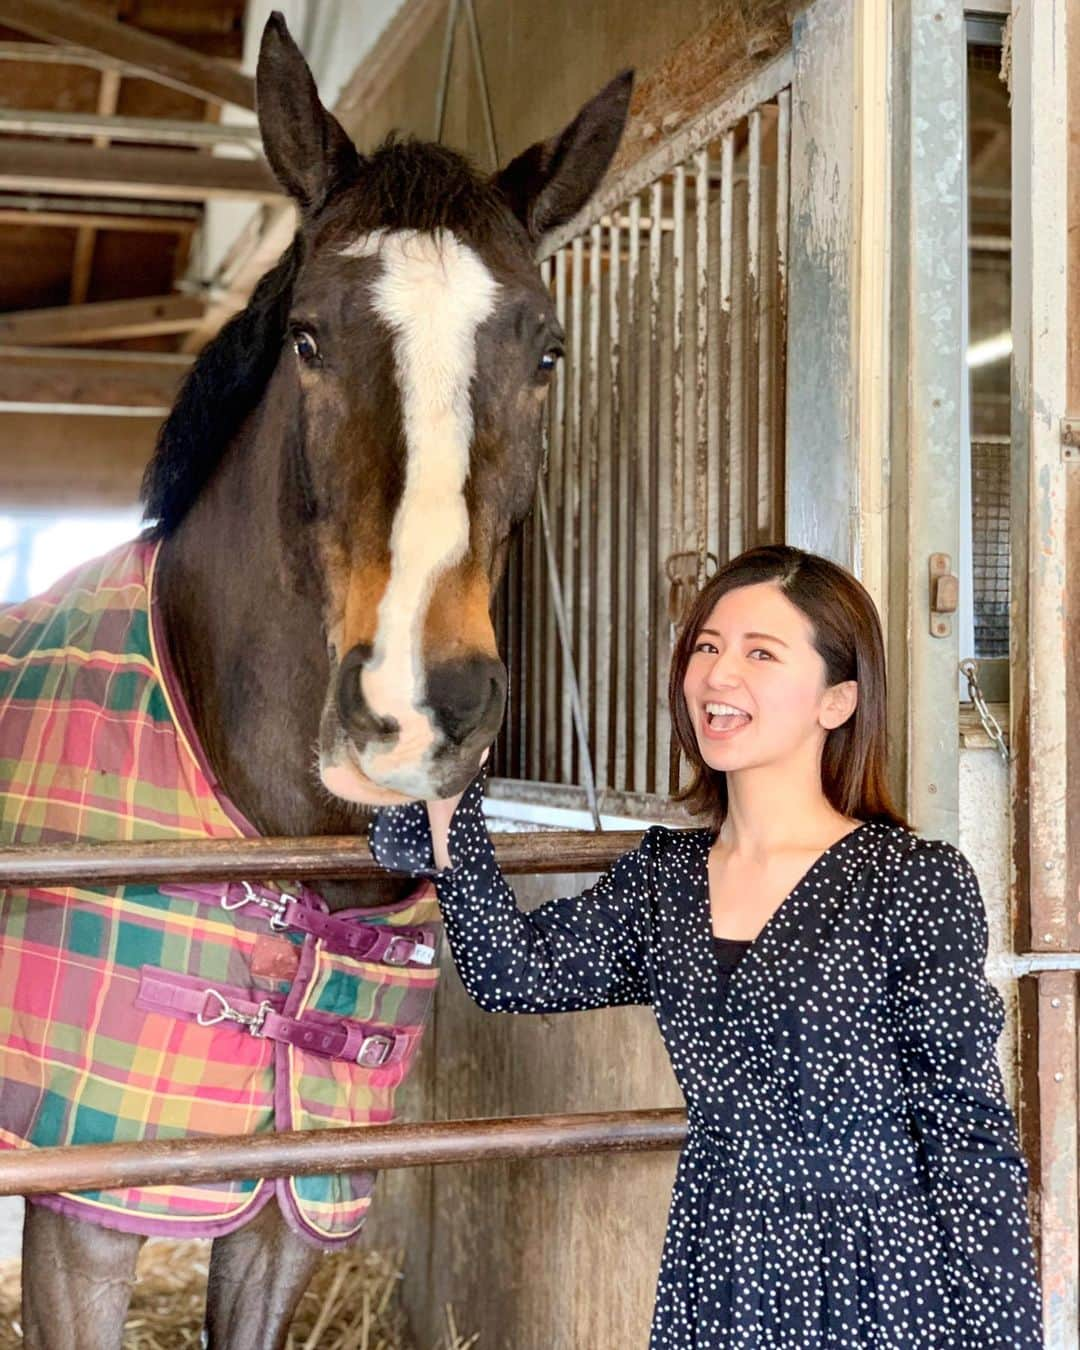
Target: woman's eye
x,y
762,651
305,346
549,360
704,647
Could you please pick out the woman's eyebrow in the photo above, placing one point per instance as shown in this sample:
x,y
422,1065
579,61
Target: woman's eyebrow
x,y
769,636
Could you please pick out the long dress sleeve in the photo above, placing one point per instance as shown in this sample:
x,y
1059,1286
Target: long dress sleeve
x,y
948,1018
584,951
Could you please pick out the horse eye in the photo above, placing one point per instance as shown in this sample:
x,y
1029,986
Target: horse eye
x,y
305,346
550,360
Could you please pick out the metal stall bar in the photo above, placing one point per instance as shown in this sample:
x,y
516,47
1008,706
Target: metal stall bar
x,y
589,670
303,859
620,624
732,447
558,767
703,395
300,1153
779,311
652,623
633,476
677,532
572,488
752,362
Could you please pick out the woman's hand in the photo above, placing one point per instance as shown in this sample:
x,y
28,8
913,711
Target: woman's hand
x,y
440,813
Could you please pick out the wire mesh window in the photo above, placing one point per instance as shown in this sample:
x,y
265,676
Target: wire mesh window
x,y
665,450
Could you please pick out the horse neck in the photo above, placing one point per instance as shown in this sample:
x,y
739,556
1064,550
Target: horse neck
x,y
247,647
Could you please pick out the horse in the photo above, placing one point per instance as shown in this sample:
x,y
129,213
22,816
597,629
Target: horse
x,y
329,507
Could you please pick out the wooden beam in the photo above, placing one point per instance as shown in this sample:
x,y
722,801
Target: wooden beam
x,y
145,130
82,262
105,321
164,175
63,380
66,213
161,60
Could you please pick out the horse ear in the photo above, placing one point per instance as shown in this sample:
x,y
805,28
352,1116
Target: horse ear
x,y
551,181
309,151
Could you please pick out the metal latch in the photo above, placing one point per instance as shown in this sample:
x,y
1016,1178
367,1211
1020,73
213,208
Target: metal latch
x,y
684,575
944,594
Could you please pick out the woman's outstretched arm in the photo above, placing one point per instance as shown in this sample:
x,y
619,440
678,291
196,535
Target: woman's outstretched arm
x,y
584,951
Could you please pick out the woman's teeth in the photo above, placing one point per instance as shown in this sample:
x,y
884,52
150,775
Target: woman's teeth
x,y
725,717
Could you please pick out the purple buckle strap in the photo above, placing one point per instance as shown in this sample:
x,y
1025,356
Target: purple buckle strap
x,y
303,914
363,1043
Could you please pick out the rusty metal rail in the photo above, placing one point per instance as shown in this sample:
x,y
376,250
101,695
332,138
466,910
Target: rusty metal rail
x,y
294,859
156,1162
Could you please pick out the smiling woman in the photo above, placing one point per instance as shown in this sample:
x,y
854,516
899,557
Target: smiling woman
x,y
852,1174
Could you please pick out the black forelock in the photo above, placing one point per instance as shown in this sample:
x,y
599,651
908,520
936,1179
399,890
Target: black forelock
x,y
408,184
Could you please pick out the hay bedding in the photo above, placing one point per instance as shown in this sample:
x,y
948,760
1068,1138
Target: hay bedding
x,y
351,1304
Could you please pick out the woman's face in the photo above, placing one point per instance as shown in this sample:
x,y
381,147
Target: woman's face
x,y
754,653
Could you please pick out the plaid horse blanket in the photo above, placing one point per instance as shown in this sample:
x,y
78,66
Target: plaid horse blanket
x,y
145,1012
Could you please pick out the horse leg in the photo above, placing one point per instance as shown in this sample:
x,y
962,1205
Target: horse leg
x,y
76,1282
257,1277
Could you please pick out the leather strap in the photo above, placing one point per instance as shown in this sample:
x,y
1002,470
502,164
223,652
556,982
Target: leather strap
x,y
301,913
364,1043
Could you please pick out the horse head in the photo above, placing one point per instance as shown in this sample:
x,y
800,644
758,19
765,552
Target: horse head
x,y
417,346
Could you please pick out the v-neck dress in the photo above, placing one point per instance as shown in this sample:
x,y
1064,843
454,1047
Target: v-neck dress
x,y
852,1175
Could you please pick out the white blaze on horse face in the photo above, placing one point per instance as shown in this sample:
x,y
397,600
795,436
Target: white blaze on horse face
x,y
433,292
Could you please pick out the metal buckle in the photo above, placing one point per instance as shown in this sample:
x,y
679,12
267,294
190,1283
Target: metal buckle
x,y
246,899
399,951
227,1013
384,1044
277,905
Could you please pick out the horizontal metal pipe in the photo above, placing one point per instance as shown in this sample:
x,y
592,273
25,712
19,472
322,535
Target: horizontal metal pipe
x,y
345,856
157,1162
1015,964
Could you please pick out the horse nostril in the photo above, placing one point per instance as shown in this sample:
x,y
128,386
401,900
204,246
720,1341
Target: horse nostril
x,y
464,695
352,707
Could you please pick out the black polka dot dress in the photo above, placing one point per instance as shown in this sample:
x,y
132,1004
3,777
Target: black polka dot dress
x,y
852,1175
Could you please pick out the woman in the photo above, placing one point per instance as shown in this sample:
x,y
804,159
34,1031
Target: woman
x,y
852,1175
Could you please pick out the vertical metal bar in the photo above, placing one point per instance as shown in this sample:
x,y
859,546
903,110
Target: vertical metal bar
x,y
557,479
576,710
591,596
618,638
701,362
540,616
751,366
656,238
633,479
511,591
678,333
573,557
678,535
779,371
729,535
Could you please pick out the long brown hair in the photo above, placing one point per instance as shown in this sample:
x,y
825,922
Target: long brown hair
x,y
847,636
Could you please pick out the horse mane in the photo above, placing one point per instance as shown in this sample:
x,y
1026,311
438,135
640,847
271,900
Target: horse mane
x,y
405,184
223,386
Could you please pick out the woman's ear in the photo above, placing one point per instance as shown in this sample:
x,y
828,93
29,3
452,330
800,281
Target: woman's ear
x,y
549,183
839,703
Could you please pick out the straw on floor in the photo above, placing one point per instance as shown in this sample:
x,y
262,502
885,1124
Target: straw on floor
x,y
352,1303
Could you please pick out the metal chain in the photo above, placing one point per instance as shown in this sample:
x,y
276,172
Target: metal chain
x,y
990,723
